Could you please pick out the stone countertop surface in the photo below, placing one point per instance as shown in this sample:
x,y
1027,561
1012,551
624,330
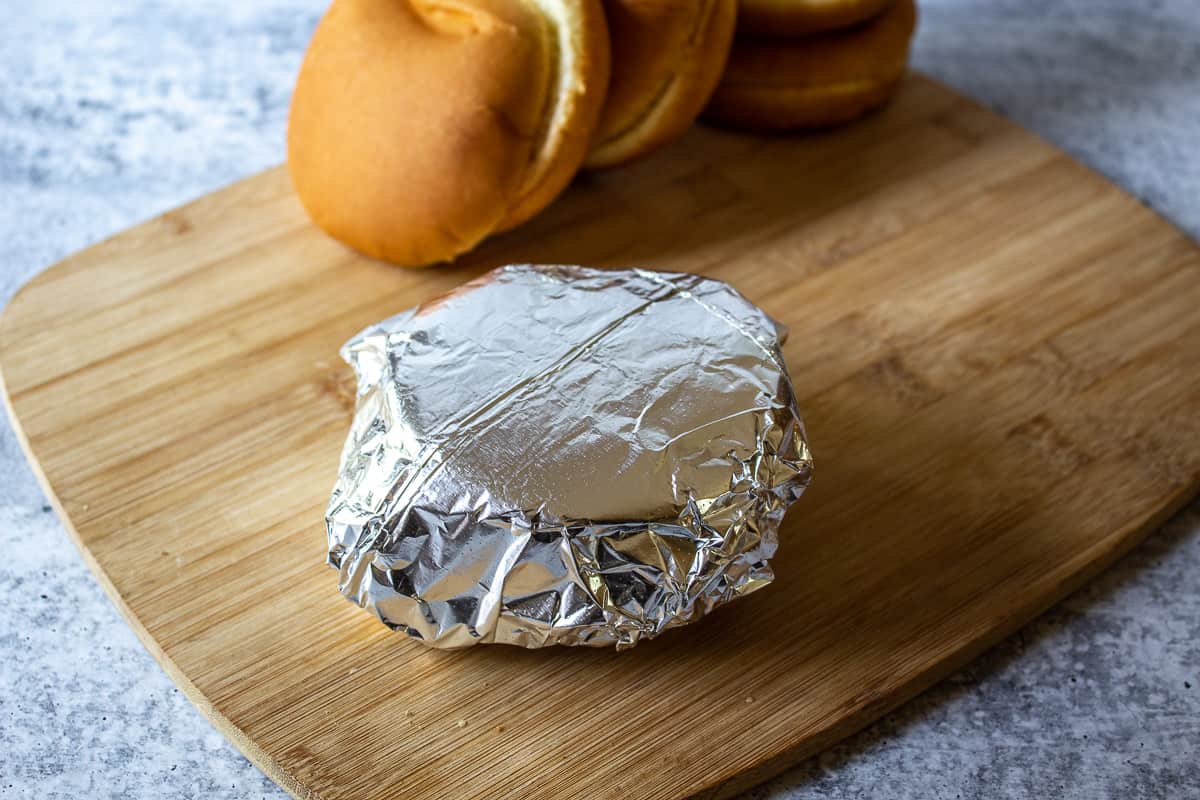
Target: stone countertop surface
x,y
111,113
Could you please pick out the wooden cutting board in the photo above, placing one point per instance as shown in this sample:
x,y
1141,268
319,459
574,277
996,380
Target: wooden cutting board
x,y
997,352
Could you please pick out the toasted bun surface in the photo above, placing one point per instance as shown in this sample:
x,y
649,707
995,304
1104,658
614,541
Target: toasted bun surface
x,y
417,127
784,18
814,81
667,57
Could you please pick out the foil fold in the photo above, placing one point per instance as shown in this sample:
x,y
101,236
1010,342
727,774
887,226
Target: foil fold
x,y
564,455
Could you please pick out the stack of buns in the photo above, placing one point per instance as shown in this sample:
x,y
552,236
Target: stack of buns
x,y
420,127
812,63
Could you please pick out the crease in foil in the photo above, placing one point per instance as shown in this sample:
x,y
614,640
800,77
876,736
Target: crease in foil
x,y
564,455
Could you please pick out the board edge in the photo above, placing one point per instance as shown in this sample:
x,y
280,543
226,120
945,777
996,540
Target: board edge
x,y
1114,547
245,745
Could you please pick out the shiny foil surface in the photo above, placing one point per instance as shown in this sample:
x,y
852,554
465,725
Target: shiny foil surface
x,y
564,455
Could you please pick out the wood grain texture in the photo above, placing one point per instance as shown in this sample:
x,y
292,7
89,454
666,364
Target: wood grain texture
x,y
995,350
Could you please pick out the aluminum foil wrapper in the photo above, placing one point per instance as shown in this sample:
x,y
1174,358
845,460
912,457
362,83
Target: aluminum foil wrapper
x,y
563,455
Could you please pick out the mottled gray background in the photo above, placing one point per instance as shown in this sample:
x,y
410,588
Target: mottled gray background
x,y
113,112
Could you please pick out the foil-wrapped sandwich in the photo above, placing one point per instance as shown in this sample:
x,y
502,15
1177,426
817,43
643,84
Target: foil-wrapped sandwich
x,y
563,455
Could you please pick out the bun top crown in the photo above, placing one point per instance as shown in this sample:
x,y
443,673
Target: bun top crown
x,y
418,126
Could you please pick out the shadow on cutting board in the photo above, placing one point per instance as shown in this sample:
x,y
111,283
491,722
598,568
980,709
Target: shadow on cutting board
x,y
744,191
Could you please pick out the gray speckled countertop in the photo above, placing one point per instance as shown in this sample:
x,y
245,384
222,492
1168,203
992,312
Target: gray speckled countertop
x,y
113,112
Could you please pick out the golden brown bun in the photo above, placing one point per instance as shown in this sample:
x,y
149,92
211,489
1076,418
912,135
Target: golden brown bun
x,y
584,62
784,18
667,57
418,127
814,81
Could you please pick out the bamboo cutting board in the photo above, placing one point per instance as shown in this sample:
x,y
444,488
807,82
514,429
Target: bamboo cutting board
x,y
996,352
